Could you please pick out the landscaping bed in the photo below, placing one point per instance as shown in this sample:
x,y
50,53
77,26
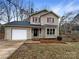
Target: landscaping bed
x,y
51,41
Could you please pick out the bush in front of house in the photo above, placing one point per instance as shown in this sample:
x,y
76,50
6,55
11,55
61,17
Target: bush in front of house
x,y
59,38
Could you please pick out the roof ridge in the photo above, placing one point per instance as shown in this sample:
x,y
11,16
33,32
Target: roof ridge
x,y
50,12
39,12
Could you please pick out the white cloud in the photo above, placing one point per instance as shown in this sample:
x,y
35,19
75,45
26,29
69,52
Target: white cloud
x,y
61,8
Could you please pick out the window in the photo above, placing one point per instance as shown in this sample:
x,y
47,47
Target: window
x,y
52,20
50,31
36,19
49,20
33,19
53,31
47,31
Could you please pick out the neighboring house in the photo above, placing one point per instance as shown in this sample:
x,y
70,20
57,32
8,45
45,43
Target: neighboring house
x,y
42,24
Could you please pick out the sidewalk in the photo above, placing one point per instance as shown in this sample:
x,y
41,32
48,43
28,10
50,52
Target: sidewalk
x,y
8,47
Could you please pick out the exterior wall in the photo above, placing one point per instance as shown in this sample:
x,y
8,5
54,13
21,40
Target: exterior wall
x,y
44,19
8,32
38,15
29,33
44,22
39,34
53,35
56,22
43,33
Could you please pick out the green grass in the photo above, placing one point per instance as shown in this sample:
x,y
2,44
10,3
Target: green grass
x,y
48,51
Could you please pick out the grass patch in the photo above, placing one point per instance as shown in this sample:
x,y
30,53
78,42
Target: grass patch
x,y
47,51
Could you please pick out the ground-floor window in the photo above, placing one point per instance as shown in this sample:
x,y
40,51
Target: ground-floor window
x,y
50,31
53,31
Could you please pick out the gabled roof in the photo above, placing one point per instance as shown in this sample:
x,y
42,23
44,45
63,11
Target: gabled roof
x,y
45,13
39,12
49,13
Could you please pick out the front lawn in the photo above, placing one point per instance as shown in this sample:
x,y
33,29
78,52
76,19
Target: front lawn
x,y
47,51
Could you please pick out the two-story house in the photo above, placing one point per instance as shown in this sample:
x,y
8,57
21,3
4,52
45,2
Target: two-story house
x,y
42,24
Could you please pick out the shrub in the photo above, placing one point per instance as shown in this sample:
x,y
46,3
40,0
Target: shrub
x,y
59,38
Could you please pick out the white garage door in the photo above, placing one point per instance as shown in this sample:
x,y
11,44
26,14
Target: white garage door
x,y
19,34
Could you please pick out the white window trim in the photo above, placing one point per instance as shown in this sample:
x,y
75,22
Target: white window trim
x,y
49,33
36,20
50,20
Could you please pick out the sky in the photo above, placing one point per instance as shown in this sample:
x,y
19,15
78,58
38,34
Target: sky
x,y
60,7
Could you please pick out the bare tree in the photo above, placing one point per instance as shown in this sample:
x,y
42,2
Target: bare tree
x,y
6,8
14,10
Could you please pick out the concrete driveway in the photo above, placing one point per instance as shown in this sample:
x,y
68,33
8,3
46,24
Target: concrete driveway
x,y
8,47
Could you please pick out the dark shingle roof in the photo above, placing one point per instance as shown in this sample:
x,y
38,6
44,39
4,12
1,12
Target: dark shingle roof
x,y
25,24
18,23
39,12
51,13
44,14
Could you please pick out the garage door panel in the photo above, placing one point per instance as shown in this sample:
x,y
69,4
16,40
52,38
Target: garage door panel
x,y
19,34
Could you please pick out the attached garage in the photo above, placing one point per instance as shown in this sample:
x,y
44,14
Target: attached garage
x,y
18,30
19,34
13,33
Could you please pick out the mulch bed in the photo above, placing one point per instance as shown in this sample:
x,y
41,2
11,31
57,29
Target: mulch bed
x,y
51,41
45,42
48,40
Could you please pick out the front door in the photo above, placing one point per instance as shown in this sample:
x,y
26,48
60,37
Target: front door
x,y
35,32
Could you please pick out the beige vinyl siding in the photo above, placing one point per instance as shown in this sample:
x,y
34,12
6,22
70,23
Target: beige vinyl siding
x,y
8,32
51,35
38,16
44,19
29,33
56,22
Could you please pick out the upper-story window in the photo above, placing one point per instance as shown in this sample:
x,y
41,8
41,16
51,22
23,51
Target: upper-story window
x,y
36,20
50,20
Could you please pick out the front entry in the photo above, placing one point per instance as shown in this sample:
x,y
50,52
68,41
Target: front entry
x,y
35,32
